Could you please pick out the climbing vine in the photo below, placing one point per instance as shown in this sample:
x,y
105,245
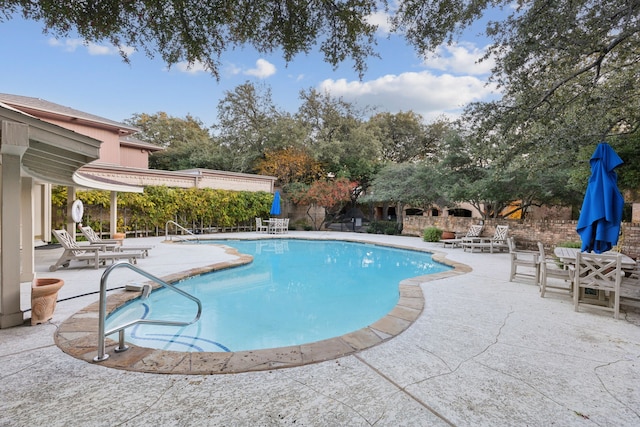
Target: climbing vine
x,y
149,211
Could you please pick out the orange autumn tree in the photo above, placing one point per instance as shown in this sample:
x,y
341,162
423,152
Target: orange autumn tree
x,y
332,195
290,165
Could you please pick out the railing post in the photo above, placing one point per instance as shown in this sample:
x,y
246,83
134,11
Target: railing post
x,y
120,329
102,316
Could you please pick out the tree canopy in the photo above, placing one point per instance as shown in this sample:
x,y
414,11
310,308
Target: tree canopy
x,y
567,71
200,31
570,66
566,59
186,141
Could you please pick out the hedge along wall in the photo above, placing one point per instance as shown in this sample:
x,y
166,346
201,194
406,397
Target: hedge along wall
x,y
200,209
526,233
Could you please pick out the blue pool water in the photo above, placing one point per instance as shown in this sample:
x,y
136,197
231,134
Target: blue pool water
x,y
294,292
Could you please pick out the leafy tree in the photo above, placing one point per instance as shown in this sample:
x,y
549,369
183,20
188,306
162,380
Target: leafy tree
x,y
187,142
356,158
246,116
415,184
166,131
628,173
284,132
402,135
550,56
339,137
491,174
327,118
569,66
290,165
332,195
196,31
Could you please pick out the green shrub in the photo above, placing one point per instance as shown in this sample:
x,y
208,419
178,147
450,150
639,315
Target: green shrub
x,y
384,227
431,234
577,245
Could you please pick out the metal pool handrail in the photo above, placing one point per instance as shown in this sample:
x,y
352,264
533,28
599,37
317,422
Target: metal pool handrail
x,y
166,229
102,334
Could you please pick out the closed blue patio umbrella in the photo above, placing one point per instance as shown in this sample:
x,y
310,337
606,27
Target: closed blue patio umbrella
x,y
275,205
601,213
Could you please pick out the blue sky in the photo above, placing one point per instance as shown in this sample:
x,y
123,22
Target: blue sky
x,y
94,79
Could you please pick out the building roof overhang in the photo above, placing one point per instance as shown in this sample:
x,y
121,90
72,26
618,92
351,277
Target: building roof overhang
x,y
89,181
54,153
49,110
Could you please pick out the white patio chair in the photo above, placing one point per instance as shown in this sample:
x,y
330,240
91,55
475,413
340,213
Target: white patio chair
x,y
260,227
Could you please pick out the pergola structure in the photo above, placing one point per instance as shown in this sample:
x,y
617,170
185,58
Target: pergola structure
x,y
31,151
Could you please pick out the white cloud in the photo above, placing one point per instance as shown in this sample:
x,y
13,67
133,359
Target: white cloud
x,y
381,19
192,68
424,93
96,49
71,45
232,69
459,58
296,78
262,70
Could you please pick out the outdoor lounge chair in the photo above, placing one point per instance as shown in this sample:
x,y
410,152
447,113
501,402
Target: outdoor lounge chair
x,y
92,254
473,232
526,259
496,243
111,244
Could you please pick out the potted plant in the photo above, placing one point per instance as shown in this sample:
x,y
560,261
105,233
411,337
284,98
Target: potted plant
x,y
448,235
44,294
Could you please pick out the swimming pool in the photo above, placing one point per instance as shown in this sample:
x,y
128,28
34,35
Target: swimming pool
x,y
295,292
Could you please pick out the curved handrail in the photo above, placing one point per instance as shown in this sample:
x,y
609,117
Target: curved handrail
x,y
166,229
102,334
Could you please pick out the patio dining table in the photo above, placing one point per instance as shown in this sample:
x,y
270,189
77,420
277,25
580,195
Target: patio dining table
x,y
276,225
569,255
630,281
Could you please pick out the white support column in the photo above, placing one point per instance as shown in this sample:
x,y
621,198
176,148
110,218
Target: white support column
x,y
113,214
14,141
27,234
71,226
46,212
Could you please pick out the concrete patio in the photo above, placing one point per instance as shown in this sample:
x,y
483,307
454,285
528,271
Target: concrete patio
x,y
484,351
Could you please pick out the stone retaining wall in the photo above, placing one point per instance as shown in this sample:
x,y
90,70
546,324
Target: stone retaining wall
x,y
526,233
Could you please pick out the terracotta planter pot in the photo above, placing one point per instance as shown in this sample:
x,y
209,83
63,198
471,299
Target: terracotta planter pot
x,y
448,235
44,294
